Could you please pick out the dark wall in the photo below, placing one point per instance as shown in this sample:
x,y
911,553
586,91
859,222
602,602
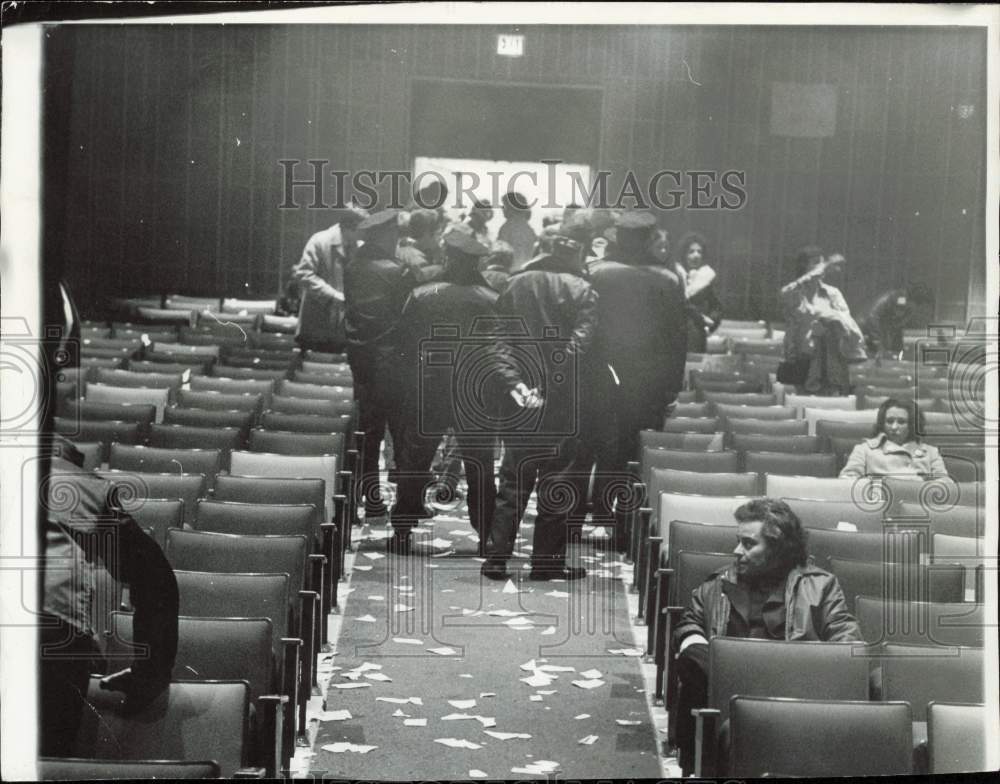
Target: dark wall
x,y
174,136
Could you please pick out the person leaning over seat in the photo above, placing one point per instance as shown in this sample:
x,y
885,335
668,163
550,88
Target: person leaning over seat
x,y
895,447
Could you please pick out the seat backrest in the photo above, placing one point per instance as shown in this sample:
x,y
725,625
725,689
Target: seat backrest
x,y
768,427
282,404
249,305
705,509
829,514
210,649
126,378
692,410
155,362
224,439
741,399
825,543
957,738
769,737
220,401
306,423
204,417
968,551
735,387
197,551
324,379
692,568
837,403
311,365
920,623
899,581
821,488
232,386
684,460
828,428
192,720
142,414
272,490
234,517
780,668
324,391
754,442
292,467
696,482
156,515
134,488
283,442
90,430
691,425
237,595
80,769
685,537
963,469
728,412
247,373
920,674
203,351
102,393
814,415
149,459
820,464
968,521
279,324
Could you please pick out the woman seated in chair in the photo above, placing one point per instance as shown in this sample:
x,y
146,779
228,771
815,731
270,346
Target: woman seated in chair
x,y
895,448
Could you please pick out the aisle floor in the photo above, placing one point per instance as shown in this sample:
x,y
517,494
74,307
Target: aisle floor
x,y
438,673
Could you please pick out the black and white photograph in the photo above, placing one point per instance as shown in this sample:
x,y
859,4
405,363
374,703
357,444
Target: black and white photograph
x,y
502,391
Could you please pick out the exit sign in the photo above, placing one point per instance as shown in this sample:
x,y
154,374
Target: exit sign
x,y
510,45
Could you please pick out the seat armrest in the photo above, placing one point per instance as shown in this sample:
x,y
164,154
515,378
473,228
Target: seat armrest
x,y
250,773
705,742
271,714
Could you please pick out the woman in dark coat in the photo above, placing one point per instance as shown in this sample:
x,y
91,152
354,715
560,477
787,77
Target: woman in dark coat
x,y
703,306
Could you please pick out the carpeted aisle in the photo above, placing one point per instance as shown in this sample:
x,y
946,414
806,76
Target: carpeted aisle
x,y
431,659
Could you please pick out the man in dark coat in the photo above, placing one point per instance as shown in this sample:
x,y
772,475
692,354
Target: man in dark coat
x,y
772,591
319,280
376,286
420,250
551,313
441,339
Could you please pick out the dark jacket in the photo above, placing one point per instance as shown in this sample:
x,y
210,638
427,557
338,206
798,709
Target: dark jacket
x,y
815,608
451,318
550,321
375,289
884,323
643,330
423,267
84,525
496,277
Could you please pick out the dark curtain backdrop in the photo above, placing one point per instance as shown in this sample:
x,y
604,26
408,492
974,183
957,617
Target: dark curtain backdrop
x,y
173,136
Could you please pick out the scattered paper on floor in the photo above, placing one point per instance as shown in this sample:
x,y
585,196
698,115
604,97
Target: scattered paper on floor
x,y
400,700
589,684
462,704
591,674
588,741
443,651
507,735
340,748
335,715
458,743
366,618
415,722
407,641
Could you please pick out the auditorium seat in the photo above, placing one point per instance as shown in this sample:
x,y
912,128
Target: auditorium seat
x,y
91,452
286,442
80,769
148,459
306,423
820,488
133,331
767,427
220,401
859,430
899,582
156,515
182,302
342,379
824,514
687,442
967,521
290,466
283,404
691,425
920,623
819,464
685,460
729,412
957,738
273,490
741,399
683,410
234,517
815,415
941,493
242,306
700,483
838,403
920,674
327,358
331,368
102,393
134,488
967,551
965,470
100,431
247,373
756,442
826,543
192,720
769,738
705,509
154,362
204,417
224,439
325,392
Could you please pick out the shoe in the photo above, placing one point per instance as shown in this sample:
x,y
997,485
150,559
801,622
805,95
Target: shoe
x,y
564,573
398,544
495,570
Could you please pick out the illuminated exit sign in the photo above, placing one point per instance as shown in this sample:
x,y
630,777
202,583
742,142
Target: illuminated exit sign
x,y
510,45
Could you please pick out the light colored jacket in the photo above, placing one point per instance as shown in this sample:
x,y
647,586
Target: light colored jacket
x,y
320,274
805,308
879,456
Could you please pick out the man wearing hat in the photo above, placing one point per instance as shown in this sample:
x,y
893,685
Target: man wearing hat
x,y
479,216
442,336
319,276
551,311
376,286
637,366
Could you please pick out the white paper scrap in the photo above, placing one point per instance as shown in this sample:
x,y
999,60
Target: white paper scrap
x,y
372,556
547,692
519,622
506,613
457,743
507,735
549,630
555,668
340,748
626,651
366,618
558,594
477,774
335,715
589,684
486,721
591,674
441,543
462,704
588,741
510,587
350,685
378,676
376,598
457,716
628,722
402,608
400,700
538,679
582,716
483,694
360,568
535,698
407,641
399,712
443,651
415,722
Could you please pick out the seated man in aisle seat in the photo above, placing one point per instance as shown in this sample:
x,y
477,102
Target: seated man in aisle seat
x,y
770,592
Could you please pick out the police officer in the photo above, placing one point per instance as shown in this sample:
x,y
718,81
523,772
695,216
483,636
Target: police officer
x,y
458,306
376,286
554,310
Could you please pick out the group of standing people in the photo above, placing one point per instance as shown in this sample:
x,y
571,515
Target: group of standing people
x,y
564,357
